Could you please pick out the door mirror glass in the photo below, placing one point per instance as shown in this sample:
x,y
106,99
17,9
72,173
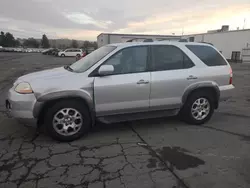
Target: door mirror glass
x,y
105,70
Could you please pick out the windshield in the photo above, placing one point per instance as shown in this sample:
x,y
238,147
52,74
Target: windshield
x,y
91,59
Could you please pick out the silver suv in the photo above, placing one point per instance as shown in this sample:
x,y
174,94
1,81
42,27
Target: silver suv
x,y
121,82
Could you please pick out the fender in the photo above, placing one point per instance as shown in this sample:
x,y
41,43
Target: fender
x,y
199,85
83,94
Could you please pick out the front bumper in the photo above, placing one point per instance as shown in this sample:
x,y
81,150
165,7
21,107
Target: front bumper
x,y
20,106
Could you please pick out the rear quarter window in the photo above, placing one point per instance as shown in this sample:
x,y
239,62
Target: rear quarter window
x,y
207,55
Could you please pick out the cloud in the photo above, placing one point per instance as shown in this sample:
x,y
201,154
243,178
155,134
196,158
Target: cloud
x,y
79,34
190,22
39,12
86,19
82,18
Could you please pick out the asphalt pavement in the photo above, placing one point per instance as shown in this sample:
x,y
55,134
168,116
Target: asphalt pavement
x,y
155,153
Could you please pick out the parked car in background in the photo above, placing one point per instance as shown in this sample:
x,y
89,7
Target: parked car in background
x,y
50,51
47,51
72,52
122,82
55,52
84,53
1,48
21,49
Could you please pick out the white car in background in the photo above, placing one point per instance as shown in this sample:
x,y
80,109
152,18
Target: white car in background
x,y
72,52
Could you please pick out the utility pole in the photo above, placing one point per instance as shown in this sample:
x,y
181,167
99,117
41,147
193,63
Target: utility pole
x,y
244,23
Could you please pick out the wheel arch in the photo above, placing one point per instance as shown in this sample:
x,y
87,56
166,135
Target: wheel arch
x,y
209,86
45,101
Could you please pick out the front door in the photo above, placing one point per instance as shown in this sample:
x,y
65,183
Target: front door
x,y
127,89
68,52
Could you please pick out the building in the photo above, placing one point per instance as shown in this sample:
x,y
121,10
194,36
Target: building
x,y
232,44
109,38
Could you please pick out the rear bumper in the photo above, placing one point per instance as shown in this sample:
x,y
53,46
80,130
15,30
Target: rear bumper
x,y
20,106
226,92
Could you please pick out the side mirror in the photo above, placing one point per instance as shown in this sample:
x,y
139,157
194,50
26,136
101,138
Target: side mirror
x,y
105,70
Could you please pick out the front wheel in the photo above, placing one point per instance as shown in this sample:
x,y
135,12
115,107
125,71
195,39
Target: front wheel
x,y
63,55
67,120
198,108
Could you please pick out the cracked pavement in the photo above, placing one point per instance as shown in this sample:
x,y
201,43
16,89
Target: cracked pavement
x,y
113,160
148,153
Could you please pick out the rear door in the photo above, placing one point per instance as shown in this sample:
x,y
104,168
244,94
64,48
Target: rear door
x,y
73,52
78,51
215,67
127,89
172,72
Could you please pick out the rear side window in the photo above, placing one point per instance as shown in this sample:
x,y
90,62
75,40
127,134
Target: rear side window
x,y
169,58
207,54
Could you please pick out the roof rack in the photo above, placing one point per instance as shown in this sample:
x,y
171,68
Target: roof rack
x,y
207,43
148,40
183,40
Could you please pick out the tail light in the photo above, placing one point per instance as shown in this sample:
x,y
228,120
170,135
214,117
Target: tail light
x,y
231,76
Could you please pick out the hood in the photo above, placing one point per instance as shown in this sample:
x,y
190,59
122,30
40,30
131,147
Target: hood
x,y
45,75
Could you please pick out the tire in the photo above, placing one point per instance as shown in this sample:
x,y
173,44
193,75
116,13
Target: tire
x,y
62,55
200,114
54,115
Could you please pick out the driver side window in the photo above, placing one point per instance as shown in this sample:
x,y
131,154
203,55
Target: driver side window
x,y
129,60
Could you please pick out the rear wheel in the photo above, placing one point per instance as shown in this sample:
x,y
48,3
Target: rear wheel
x,y
198,108
67,120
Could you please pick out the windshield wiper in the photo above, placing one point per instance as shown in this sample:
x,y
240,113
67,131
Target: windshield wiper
x,y
68,68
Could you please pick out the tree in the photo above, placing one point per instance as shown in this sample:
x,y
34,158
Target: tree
x,y
74,44
95,45
45,42
31,43
2,36
9,40
17,43
86,44
62,46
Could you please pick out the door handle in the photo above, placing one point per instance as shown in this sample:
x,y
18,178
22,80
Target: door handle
x,y
142,82
191,77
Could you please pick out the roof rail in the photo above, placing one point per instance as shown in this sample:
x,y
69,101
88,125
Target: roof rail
x,y
183,40
207,43
148,40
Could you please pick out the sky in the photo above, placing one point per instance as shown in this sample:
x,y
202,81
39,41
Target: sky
x,y
85,19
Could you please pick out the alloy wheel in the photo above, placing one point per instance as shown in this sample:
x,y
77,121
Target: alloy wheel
x,y
200,109
67,121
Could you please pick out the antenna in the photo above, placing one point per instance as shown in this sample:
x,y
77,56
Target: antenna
x,y
244,23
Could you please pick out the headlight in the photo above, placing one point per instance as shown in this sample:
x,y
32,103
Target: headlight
x,y
23,88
